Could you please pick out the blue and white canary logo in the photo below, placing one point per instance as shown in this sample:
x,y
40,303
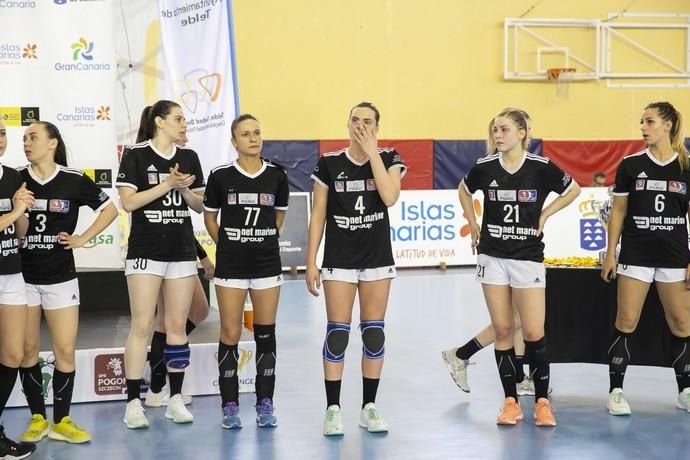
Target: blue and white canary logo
x,y
592,231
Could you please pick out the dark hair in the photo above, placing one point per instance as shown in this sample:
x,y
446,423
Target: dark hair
x,y
54,133
144,133
240,119
368,105
669,113
599,174
161,109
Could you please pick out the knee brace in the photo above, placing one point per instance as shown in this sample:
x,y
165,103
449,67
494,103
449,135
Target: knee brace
x,y
265,338
177,356
337,336
373,339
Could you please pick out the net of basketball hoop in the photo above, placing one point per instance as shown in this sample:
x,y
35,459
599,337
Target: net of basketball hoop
x,y
562,76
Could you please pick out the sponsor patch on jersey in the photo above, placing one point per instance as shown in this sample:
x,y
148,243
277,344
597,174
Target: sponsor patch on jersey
x,y
492,195
656,185
371,185
339,186
506,195
103,197
247,198
232,198
677,187
152,168
566,179
163,176
267,199
639,184
397,159
527,196
5,204
153,178
121,176
40,204
493,183
354,185
56,205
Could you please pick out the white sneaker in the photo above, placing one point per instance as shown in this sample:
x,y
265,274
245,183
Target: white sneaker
x,y
617,404
177,412
526,387
333,421
370,419
457,368
161,398
134,415
683,401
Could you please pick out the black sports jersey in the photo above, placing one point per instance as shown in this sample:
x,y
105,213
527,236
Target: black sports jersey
x,y
56,209
161,230
10,262
513,202
248,236
358,231
655,230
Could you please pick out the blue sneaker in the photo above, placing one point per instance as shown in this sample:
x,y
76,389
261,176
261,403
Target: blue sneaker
x,y
231,416
264,414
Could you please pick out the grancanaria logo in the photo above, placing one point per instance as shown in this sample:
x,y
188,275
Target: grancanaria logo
x,y
83,48
29,51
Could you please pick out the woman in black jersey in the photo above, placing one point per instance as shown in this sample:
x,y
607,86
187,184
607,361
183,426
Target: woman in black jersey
x,y
15,199
510,265
251,196
649,213
49,272
457,359
156,394
352,192
159,183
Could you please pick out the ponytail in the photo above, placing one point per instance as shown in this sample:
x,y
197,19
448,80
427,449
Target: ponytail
x,y
144,132
61,149
667,112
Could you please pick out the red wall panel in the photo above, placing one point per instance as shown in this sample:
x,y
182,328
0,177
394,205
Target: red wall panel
x,y
418,156
581,159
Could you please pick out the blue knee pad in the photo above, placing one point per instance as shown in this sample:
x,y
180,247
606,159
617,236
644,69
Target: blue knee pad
x,y
177,356
337,336
373,339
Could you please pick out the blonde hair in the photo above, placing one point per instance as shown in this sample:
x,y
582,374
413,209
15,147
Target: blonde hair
x,y
521,120
667,112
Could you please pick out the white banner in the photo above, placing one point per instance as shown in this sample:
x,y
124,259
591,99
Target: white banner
x,y
197,57
65,74
428,228
101,374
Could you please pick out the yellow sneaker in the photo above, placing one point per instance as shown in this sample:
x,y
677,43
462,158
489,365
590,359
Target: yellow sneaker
x,y
68,431
36,430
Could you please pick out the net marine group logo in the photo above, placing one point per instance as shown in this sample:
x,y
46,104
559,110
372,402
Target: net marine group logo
x,y
83,58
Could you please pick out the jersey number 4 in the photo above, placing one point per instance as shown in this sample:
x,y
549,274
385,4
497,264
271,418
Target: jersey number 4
x,y
359,204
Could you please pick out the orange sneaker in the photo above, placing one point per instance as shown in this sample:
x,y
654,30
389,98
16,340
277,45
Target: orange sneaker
x,y
510,412
543,414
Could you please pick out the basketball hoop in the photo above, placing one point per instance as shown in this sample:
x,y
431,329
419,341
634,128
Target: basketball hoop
x,y
563,76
